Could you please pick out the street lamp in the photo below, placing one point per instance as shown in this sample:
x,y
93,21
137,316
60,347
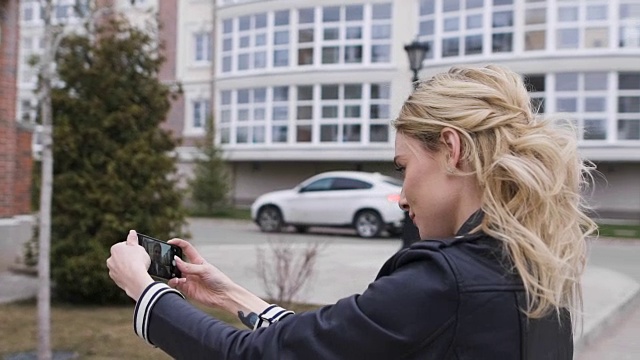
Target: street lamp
x,y
417,51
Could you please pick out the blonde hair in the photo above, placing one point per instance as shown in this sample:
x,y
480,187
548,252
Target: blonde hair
x,y
527,168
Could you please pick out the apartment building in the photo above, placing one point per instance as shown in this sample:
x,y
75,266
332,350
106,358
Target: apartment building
x,y
299,87
15,142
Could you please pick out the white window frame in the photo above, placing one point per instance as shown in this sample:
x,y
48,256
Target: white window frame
x,y
202,39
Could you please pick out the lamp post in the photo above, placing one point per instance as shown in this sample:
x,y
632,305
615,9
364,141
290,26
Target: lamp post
x,y
416,51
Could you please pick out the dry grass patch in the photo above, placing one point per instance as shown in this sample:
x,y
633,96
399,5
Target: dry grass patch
x,y
92,332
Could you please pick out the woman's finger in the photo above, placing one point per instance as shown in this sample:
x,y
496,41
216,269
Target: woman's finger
x,y
190,268
132,238
174,282
188,249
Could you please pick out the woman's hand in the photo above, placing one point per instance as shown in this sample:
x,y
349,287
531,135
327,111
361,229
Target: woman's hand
x,y
201,281
128,266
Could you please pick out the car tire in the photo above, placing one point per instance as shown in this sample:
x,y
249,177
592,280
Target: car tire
x,y
270,219
301,228
395,232
368,224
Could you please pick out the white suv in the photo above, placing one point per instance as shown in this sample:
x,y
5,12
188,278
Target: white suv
x,y
367,202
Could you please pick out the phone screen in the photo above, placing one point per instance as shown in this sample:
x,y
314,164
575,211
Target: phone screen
x,y
163,264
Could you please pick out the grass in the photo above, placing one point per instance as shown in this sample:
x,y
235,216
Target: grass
x,y
92,332
619,231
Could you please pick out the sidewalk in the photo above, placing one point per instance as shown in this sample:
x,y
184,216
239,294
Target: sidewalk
x,y
345,269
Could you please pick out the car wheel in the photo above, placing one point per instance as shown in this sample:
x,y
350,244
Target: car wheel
x,y
301,229
395,232
270,219
368,223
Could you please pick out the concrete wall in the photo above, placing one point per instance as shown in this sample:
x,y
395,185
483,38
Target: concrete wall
x,y
14,233
252,179
617,191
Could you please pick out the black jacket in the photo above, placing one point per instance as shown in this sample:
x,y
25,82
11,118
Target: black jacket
x,y
439,299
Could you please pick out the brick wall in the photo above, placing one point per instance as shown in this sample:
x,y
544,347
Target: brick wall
x,y
23,168
168,17
15,142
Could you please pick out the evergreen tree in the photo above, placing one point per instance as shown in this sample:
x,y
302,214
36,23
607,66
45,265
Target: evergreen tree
x,y
113,167
210,183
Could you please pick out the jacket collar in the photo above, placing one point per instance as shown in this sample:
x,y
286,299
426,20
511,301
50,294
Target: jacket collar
x,y
472,223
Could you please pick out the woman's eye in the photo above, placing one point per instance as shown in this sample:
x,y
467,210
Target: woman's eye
x,y
399,168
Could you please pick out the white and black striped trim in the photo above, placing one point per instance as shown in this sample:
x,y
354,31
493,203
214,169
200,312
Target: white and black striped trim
x,y
270,315
144,305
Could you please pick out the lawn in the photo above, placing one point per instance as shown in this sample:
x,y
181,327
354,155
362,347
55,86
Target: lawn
x,y
92,332
619,231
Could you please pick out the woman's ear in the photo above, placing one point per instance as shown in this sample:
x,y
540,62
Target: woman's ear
x,y
452,146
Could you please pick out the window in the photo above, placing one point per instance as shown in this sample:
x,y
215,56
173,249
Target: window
x,y
462,28
252,42
281,39
380,95
27,111
629,106
251,115
426,27
202,50
381,25
28,11
582,24
304,114
201,110
342,40
535,19
629,29
583,97
227,45
306,35
280,114
323,35
341,112
349,184
29,47
61,11
502,19
536,86
319,185
318,113
224,118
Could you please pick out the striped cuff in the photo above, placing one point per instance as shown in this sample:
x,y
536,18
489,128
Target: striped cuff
x,y
270,315
144,306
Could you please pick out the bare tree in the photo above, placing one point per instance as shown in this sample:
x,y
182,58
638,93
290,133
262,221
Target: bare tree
x,y
46,188
285,269
87,13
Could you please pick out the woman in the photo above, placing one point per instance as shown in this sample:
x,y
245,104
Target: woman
x,y
495,193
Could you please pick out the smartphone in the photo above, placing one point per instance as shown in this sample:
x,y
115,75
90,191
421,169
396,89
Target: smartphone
x,y
163,263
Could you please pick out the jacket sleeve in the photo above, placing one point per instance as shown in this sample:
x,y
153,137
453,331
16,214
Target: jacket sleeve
x,y
396,315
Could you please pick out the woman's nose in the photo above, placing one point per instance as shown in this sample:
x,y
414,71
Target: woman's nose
x,y
404,205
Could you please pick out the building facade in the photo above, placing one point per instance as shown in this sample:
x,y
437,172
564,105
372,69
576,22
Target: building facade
x,y
297,88
15,138
300,87
15,144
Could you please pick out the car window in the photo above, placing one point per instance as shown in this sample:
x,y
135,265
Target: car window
x,y
349,184
319,185
392,181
